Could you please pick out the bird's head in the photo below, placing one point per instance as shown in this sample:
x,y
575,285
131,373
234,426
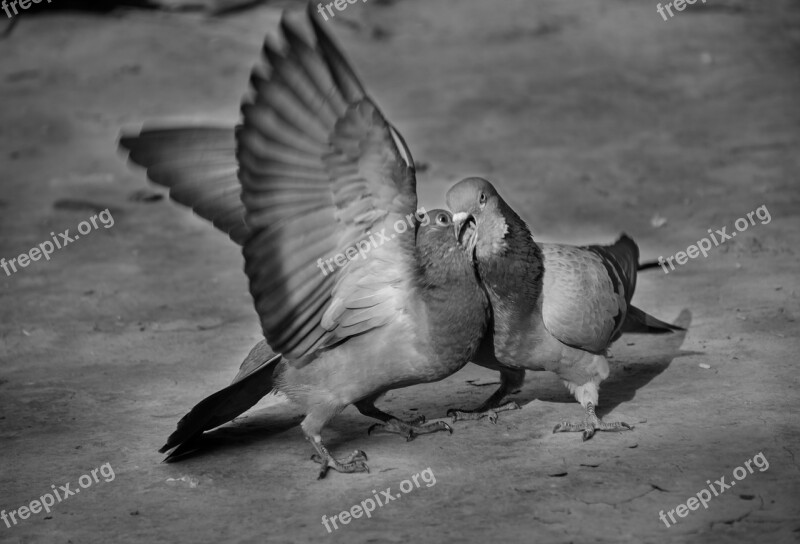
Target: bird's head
x,y
439,248
479,217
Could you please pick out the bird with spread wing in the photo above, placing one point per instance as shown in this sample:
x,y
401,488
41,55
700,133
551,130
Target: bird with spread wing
x,y
319,170
556,307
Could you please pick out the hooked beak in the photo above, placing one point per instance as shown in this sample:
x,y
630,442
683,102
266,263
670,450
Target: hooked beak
x,y
466,230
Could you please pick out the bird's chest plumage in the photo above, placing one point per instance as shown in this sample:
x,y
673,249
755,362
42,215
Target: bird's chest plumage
x,y
443,331
515,294
522,341
456,322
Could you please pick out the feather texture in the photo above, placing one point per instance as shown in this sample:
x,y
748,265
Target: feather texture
x,y
315,191
198,166
563,319
320,173
582,300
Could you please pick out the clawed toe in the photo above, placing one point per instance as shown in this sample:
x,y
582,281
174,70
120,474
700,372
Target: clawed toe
x,y
410,430
355,462
590,426
490,414
466,415
569,427
357,455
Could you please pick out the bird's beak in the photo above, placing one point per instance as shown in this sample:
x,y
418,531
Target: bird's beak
x,y
466,230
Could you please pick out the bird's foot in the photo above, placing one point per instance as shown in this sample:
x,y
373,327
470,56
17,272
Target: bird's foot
x,y
474,415
591,424
355,462
410,429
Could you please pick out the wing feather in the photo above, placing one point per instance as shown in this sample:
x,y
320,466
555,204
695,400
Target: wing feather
x,y
320,168
582,303
198,166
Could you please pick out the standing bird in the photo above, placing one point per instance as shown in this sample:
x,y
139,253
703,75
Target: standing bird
x,y
556,307
324,179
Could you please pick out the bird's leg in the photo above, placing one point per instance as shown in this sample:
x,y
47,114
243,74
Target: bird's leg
x,y
587,395
312,426
409,429
511,379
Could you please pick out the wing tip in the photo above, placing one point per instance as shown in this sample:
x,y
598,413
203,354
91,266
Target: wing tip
x,y
625,237
126,140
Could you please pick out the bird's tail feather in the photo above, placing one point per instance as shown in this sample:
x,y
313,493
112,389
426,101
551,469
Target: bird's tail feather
x,y
637,321
647,265
254,381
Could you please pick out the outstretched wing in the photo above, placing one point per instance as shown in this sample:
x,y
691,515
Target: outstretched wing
x,y
321,170
198,166
587,292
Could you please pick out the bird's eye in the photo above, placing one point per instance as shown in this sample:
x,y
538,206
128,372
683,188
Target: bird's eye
x,y
442,219
482,199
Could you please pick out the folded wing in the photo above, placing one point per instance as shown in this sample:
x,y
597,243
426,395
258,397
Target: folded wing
x,y
587,292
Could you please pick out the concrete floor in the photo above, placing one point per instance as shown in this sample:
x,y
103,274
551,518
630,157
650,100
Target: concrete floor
x,y
591,118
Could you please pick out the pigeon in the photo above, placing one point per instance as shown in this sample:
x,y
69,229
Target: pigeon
x,y
358,292
556,307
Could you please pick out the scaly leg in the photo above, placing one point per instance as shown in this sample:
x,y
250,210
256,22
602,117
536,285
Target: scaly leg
x,y
312,426
587,395
591,424
409,429
511,379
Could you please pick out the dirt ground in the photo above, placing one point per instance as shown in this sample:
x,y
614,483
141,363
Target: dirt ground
x,y
592,118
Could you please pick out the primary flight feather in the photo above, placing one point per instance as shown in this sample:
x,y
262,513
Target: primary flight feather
x,y
321,171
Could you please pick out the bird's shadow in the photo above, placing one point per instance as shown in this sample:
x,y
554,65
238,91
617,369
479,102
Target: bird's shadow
x,y
627,376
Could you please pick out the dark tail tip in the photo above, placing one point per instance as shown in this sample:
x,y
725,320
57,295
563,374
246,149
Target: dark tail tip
x,y
638,321
648,265
227,403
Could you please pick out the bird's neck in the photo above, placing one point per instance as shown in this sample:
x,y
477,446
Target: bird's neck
x,y
514,275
